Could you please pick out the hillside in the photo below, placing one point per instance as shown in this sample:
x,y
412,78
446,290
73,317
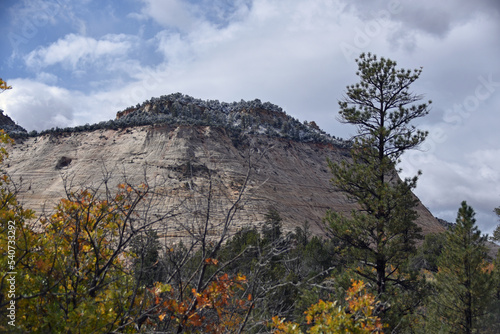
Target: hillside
x,y
288,170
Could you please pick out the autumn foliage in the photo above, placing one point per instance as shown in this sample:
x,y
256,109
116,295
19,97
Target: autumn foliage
x,y
330,317
76,274
4,86
75,265
216,309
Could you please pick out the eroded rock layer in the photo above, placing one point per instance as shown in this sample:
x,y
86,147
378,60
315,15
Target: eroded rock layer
x,y
183,162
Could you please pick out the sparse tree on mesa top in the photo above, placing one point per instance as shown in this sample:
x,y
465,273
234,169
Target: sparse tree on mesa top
x,y
382,234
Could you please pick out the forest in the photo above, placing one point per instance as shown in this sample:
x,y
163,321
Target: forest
x,y
96,263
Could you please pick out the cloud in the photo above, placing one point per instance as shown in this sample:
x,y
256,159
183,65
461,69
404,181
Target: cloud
x,y
31,21
39,13
171,13
184,16
436,18
470,175
262,48
37,106
46,78
75,51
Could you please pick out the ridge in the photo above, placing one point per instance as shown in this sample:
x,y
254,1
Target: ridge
x,y
237,118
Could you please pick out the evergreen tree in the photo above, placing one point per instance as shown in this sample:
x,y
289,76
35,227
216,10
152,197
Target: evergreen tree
x,y
271,230
381,106
381,235
491,322
429,252
465,281
146,246
496,232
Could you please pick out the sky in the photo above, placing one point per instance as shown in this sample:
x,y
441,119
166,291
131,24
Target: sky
x,y
72,62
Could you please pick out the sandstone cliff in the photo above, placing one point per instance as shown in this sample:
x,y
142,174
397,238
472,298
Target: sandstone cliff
x,y
290,175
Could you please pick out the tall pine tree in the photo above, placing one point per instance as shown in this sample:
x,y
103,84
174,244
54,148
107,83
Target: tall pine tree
x,y
382,233
496,232
465,280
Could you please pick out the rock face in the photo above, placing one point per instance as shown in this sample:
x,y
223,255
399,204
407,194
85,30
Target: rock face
x,y
183,161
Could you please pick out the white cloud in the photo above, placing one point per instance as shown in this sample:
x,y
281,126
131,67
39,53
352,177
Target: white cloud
x,y
472,176
175,48
272,46
184,16
46,78
37,106
37,13
435,18
73,51
171,13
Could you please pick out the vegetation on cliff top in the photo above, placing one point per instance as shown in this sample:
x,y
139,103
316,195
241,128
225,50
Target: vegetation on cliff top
x,y
238,118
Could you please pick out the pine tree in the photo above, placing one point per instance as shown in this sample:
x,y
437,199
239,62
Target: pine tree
x,y
496,232
382,233
271,229
146,246
465,280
